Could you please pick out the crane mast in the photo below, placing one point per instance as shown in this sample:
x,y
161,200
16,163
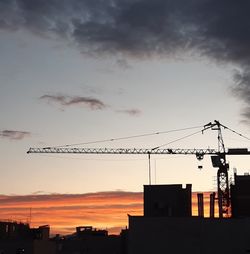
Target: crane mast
x,y
218,160
222,172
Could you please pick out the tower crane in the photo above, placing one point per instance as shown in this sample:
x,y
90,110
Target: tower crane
x,y
218,157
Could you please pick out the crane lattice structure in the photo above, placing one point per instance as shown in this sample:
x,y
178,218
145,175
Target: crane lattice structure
x,y
218,157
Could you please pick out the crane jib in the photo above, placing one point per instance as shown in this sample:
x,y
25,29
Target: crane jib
x,y
208,151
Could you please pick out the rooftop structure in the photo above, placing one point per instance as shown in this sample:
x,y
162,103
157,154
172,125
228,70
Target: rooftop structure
x,y
167,200
240,196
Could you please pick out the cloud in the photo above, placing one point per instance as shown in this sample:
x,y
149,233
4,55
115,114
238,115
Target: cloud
x,y
131,112
123,63
139,27
14,135
218,30
242,90
89,102
75,198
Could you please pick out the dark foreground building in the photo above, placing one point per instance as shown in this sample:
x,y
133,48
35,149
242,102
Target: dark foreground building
x,y
192,235
18,238
168,226
86,239
167,200
240,196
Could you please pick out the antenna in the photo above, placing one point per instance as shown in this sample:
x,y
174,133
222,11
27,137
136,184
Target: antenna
x,y
155,171
30,217
149,168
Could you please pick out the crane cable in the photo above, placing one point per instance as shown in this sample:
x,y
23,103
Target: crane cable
x,y
241,135
225,127
173,141
127,137
151,134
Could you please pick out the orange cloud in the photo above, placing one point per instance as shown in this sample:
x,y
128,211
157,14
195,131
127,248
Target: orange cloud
x,y
64,212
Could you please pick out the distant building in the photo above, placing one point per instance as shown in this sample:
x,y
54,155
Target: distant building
x,y
89,240
14,230
89,231
19,238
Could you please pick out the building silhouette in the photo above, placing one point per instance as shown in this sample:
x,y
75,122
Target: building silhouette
x,y
240,196
17,237
165,229
89,240
167,200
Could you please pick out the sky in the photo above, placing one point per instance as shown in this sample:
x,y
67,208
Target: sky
x,y
76,72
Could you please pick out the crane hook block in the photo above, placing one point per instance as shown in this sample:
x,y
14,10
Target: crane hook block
x,y
199,156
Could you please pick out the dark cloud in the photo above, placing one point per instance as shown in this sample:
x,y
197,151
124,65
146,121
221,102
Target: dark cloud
x,y
62,198
131,112
63,100
242,90
219,30
14,135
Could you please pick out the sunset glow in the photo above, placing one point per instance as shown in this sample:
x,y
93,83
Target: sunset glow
x,y
64,212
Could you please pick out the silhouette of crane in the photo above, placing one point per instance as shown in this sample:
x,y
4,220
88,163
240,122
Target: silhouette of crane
x,y
218,157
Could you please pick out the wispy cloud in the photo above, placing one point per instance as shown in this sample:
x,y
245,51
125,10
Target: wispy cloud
x,y
14,135
131,112
89,102
64,100
123,63
242,91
